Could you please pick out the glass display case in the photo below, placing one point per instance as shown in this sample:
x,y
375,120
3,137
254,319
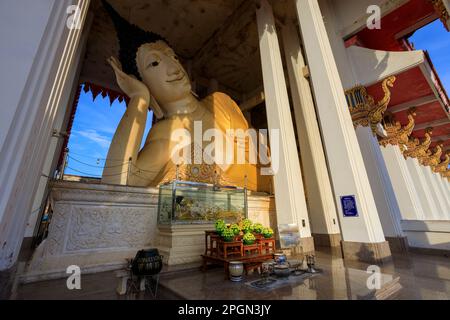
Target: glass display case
x,y
193,202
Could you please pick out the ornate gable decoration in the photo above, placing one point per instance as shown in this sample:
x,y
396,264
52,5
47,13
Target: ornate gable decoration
x,y
434,158
443,165
417,149
363,108
442,12
397,134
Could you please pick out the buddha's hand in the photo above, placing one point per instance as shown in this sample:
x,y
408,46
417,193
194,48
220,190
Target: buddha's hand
x,y
131,86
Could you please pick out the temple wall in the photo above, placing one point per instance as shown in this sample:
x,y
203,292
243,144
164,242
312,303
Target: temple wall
x,y
428,235
97,227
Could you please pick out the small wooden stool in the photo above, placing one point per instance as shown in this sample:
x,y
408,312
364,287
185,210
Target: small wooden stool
x,y
211,238
230,248
267,245
252,248
251,266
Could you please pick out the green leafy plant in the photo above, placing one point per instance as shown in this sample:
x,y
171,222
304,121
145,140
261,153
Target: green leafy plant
x,y
235,228
227,235
248,238
220,226
246,225
258,228
267,232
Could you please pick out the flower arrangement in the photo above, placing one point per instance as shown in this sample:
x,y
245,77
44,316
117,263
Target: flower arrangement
x,y
248,238
220,226
235,228
267,232
227,235
258,228
246,225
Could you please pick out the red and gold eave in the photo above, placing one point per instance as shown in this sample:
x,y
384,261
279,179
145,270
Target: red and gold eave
x,y
413,85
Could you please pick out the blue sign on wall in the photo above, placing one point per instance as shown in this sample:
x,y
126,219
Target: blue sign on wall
x,y
349,206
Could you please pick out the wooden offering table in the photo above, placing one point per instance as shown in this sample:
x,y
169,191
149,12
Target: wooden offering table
x,y
250,261
252,256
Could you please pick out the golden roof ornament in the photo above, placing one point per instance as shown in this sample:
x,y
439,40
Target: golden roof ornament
x,y
434,158
446,174
417,149
443,165
363,109
442,12
396,134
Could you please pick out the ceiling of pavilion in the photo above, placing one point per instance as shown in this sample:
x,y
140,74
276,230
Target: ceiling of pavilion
x,y
218,36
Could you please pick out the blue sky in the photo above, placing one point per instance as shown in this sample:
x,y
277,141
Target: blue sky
x,y
436,40
93,128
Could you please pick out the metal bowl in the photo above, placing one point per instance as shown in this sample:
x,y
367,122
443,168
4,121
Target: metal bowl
x,y
281,271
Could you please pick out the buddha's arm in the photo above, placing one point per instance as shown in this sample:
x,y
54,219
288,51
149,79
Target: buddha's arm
x,y
128,136
151,159
126,142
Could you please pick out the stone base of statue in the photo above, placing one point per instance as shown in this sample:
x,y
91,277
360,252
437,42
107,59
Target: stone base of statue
x,y
95,227
182,243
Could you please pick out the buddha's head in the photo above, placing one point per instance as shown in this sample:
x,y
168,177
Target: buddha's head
x,y
162,72
148,57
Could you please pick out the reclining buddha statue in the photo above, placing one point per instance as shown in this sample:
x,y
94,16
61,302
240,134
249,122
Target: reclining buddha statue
x,y
149,72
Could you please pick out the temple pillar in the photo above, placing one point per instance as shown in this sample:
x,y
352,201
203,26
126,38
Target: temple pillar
x,y
321,207
289,192
444,192
407,196
382,189
426,199
436,192
35,95
362,233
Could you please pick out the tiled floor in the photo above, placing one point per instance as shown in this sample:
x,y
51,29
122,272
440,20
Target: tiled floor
x,y
420,277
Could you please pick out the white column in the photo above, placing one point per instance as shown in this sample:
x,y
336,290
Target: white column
x,y
407,196
289,193
436,193
24,149
322,210
445,193
430,210
346,164
380,182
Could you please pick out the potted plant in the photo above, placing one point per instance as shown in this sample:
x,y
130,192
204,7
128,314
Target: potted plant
x,y
227,235
258,228
235,228
246,225
220,226
267,233
248,238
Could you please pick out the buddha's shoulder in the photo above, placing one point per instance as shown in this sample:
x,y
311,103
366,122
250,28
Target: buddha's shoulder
x,y
223,102
219,97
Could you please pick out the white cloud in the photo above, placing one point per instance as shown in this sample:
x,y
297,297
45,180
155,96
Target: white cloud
x,y
94,136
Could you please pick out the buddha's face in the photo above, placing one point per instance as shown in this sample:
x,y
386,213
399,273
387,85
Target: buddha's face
x,y
163,74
